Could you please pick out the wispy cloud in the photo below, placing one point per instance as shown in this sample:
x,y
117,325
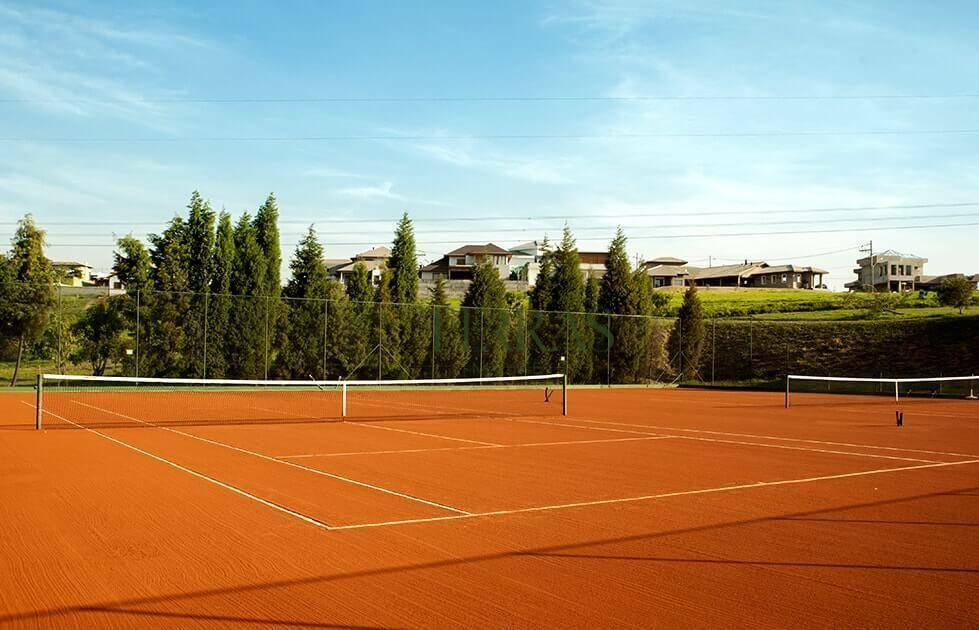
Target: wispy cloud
x,y
385,192
65,64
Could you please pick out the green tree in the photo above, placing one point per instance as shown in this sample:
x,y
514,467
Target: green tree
x,y
388,331
485,314
200,247
692,332
220,300
403,263
414,320
451,353
267,235
301,352
133,268
359,285
164,348
363,320
544,328
99,333
957,292
615,294
592,290
570,301
248,319
27,294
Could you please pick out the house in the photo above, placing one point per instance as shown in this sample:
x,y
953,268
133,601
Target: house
x,y
71,273
888,271
459,263
787,277
931,283
674,272
109,281
525,261
592,264
667,271
374,259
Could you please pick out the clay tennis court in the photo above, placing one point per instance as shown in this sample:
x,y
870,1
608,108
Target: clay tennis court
x,y
640,508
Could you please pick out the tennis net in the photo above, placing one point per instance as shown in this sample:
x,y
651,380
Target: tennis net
x,y
107,401
801,389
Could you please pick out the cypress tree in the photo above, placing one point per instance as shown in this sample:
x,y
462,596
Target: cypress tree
x,y
691,331
616,288
543,328
363,322
267,235
302,349
133,268
246,338
387,328
487,319
164,349
200,246
592,290
414,321
220,300
569,299
451,354
619,295
359,285
403,263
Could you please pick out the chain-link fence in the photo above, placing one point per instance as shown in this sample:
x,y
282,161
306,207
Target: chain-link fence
x,y
171,334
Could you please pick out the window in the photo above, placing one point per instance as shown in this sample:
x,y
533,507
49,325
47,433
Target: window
x,y
893,270
764,279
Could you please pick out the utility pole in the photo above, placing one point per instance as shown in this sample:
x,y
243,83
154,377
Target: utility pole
x,y
868,248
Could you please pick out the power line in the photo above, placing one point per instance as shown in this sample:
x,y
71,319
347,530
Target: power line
x,y
486,99
606,228
646,237
566,217
515,136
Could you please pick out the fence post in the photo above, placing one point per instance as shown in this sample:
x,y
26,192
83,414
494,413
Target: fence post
x,y
326,322
679,327
137,332
608,350
481,310
61,327
713,347
266,337
434,336
206,298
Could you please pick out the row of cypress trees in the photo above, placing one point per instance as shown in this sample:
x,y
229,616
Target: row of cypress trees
x,y
204,298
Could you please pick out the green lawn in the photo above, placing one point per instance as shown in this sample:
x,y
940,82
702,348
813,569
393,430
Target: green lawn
x,y
856,314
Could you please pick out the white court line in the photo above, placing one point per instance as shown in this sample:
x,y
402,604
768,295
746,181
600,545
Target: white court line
x,y
744,443
315,471
221,484
777,438
474,448
649,497
434,435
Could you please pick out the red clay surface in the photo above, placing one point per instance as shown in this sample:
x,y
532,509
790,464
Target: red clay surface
x,y
642,508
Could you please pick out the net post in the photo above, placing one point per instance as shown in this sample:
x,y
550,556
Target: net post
x,y
787,380
972,388
343,400
564,394
38,400
896,397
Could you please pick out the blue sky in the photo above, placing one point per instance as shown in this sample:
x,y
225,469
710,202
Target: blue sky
x,y
102,122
